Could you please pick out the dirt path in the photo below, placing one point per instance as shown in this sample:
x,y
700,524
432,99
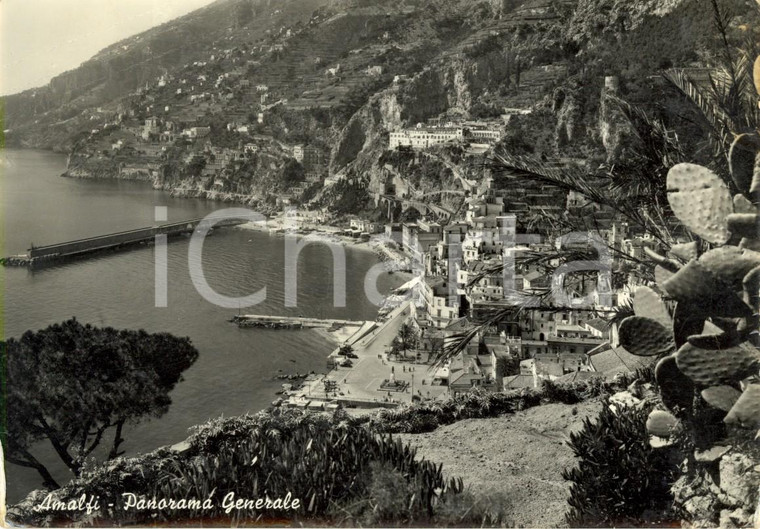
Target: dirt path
x,y
520,456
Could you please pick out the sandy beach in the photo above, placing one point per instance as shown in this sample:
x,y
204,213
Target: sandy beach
x,y
338,336
279,226
397,261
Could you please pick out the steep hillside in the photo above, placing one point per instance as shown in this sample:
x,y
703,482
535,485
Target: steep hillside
x,y
339,75
131,63
527,469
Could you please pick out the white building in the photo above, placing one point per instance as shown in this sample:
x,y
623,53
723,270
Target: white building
x,y
424,137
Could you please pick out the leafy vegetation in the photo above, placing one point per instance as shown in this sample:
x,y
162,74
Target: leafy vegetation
x,y
339,474
70,383
620,479
479,404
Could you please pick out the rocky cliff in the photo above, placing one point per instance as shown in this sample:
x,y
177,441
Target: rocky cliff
x,y
441,60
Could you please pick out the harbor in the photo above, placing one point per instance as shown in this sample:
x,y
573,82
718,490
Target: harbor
x,y
359,382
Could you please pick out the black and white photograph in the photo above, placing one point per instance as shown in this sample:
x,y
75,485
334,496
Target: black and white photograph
x,y
380,263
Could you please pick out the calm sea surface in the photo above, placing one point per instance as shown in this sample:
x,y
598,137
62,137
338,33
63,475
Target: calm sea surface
x,y
235,371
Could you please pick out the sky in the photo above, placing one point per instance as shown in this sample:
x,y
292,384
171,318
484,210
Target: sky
x,y
40,39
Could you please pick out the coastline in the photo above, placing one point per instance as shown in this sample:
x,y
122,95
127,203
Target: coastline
x,y
307,391
276,226
397,262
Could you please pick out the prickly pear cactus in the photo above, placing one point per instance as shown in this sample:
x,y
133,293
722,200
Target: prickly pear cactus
x,y
741,160
746,410
709,361
701,201
721,397
661,423
645,337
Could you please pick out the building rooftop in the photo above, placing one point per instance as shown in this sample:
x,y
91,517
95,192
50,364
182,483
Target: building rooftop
x,y
598,324
533,276
578,376
581,341
566,327
617,360
519,382
460,325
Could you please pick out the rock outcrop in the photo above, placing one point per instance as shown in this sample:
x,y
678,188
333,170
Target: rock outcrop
x,y
722,492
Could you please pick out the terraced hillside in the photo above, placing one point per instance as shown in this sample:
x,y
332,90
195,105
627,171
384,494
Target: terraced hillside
x,y
342,74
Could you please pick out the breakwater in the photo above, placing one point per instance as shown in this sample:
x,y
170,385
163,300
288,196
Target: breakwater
x,y
37,256
289,322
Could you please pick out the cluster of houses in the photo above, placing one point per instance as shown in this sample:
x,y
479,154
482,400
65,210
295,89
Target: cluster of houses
x,y
152,139
472,269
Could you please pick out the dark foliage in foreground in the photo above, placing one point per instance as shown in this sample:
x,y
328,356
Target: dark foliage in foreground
x,y
339,467
335,470
70,383
620,479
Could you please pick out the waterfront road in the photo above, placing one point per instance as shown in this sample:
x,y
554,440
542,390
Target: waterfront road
x,y
362,381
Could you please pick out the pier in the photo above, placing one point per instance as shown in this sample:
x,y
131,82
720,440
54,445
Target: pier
x,y
82,248
289,322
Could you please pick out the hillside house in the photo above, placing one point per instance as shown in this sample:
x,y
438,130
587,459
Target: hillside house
x,y
470,370
423,137
151,128
196,132
488,136
366,226
441,303
394,232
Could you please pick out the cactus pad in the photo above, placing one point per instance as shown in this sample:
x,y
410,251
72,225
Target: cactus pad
x,y
746,411
687,322
721,397
694,285
754,187
741,160
685,251
661,423
676,389
661,275
709,367
730,264
743,205
750,244
751,285
719,341
648,304
645,337
744,224
700,200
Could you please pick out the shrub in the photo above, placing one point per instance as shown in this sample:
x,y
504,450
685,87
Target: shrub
x,y
326,466
480,404
620,479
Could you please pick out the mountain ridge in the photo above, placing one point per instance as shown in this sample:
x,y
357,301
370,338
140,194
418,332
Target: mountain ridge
x,y
341,74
